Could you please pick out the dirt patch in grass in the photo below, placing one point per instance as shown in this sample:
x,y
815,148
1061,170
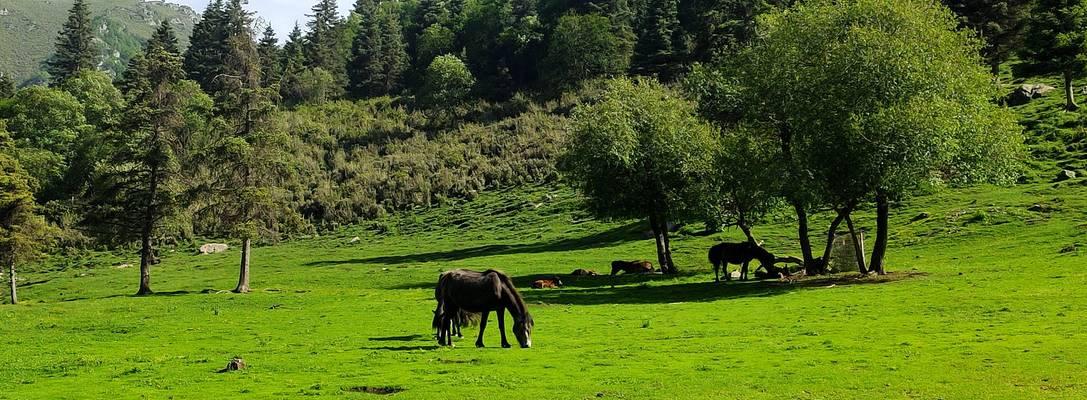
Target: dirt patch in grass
x,y
382,390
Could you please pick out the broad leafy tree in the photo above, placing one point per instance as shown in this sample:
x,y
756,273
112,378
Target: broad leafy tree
x,y
585,47
23,232
75,49
641,152
447,82
47,125
874,100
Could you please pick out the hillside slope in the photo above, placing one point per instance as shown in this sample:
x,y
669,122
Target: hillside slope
x,y
28,29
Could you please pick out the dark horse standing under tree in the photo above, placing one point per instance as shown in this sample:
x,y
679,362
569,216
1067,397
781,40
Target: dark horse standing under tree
x,y
463,291
740,254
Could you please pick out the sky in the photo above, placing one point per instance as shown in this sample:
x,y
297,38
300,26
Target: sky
x,y
282,14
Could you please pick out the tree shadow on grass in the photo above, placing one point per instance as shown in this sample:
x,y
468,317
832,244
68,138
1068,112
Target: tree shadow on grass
x,y
408,338
525,281
609,238
701,291
403,348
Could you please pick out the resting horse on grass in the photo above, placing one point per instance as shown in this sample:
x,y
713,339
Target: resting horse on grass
x,y
463,291
741,254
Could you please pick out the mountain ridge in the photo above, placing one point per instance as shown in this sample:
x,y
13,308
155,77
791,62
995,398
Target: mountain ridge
x,y
29,29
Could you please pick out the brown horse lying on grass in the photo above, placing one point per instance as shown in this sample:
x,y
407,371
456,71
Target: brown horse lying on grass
x,y
463,291
631,267
552,283
583,272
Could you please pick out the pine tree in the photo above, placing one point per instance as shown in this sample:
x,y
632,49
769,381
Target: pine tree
x,y
75,48
7,86
203,59
1055,40
394,57
250,159
136,190
268,50
293,64
322,40
165,35
364,63
429,12
655,51
999,22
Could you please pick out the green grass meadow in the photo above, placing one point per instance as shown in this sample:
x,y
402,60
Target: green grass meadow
x,y
987,301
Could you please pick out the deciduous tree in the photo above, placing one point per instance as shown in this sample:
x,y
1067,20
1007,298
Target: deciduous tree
x,y
640,151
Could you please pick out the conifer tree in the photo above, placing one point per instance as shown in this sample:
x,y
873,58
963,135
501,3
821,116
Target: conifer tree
x,y
166,36
364,64
999,22
250,158
268,50
75,48
136,190
1055,42
322,45
7,86
204,56
655,52
394,57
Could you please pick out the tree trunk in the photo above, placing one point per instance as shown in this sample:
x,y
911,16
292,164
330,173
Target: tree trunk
x,y
243,275
668,250
802,233
1069,92
12,282
747,232
858,247
822,267
146,251
879,251
660,235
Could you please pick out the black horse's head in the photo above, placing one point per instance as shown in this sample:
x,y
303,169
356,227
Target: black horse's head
x,y
522,329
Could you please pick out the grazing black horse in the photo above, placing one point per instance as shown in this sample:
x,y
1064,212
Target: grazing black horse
x,y
463,291
739,254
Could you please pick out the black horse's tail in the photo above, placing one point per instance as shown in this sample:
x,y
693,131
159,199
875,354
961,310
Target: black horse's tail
x,y
466,319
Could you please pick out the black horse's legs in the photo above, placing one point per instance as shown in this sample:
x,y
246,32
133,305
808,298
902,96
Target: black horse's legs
x,y
443,332
482,327
743,273
716,272
457,323
502,327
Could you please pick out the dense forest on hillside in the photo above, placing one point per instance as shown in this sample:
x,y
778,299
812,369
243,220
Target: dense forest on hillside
x,y
405,104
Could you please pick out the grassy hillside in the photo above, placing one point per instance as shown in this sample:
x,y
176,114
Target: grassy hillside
x,y
29,29
986,302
